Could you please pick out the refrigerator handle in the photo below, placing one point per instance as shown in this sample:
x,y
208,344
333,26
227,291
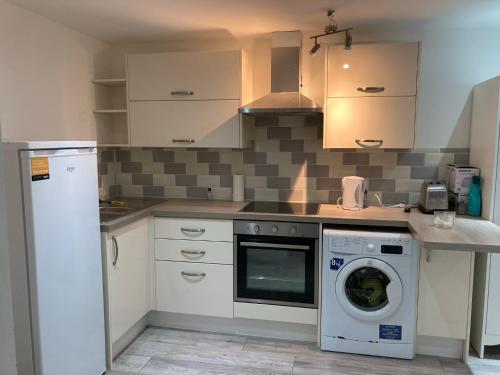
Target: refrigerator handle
x,y
116,250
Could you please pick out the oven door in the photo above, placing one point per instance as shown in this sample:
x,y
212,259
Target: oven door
x,y
276,270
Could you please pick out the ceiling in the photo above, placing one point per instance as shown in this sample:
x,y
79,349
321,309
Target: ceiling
x,y
162,20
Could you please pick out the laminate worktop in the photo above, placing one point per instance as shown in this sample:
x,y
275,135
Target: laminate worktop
x,y
468,234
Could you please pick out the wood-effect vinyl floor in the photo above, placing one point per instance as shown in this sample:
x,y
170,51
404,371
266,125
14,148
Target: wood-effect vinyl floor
x,y
161,351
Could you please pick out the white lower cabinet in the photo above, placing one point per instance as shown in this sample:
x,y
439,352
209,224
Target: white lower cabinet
x,y
128,276
194,266
194,288
445,288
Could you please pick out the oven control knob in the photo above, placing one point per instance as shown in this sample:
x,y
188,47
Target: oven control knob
x,y
256,228
293,230
274,229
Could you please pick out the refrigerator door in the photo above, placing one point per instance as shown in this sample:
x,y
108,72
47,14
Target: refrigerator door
x,y
61,211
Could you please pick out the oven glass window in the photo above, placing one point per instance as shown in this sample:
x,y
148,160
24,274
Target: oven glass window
x,y
366,288
276,270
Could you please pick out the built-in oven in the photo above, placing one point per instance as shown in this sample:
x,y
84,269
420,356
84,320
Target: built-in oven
x,y
276,263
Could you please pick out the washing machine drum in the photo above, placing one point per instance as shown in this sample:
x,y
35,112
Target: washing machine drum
x,y
369,289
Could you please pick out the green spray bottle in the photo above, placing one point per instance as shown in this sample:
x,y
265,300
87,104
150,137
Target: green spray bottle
x,y
474,205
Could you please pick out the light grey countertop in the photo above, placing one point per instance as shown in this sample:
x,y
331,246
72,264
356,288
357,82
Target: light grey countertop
x,y
468,234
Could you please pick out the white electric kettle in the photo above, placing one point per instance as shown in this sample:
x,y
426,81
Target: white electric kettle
x,y
353,191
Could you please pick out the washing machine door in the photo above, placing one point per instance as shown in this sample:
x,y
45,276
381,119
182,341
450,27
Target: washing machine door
x,y
369,289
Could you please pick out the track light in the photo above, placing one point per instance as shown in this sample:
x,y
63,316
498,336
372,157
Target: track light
x,y
315,48
330,29
348,40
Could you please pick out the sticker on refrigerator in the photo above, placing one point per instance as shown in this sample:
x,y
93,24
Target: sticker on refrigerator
x,y
389,332
39,169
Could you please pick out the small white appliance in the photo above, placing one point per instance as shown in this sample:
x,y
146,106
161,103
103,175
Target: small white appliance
x,y
53,232
353,192
369,292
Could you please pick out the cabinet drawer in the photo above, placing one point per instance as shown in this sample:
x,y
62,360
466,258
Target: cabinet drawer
x,y
391,66
388,119
185,123
192,229
169,76
178,290
194,251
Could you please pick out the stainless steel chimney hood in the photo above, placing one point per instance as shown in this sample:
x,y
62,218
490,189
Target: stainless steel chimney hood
x,y
285,98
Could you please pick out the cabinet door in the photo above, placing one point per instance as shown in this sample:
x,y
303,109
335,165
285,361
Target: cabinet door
x,y
391,66
194,251
185,123
389,121
444,289
130,278
168,76
180,290
194,229
493,312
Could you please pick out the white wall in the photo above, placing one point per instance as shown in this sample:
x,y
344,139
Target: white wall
x,y
45,74
451,63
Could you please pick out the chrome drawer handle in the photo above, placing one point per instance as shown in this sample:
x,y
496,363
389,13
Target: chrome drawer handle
x,y
116,251
183,93
378,142
187,140
371,89
193,230
193,274
193,252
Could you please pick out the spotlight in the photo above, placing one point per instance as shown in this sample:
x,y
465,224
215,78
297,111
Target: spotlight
x,y
348,40
315,48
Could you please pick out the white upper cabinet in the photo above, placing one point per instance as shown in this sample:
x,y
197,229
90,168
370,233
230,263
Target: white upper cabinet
x,y
185,75
184,123
371,96
181,99
371,122
373,70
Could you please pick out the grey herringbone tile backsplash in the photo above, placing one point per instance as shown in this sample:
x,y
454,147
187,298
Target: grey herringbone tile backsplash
x,y
286,163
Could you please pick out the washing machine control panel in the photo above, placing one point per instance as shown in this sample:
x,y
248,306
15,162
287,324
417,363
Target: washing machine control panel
x,y
370,245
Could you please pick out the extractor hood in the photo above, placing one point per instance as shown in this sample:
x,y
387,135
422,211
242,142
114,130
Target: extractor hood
x,y
285,98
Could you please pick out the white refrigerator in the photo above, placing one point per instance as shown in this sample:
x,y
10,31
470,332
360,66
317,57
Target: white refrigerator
x,y
61,284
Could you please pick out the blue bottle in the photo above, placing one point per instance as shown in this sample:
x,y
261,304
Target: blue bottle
x,y
474,205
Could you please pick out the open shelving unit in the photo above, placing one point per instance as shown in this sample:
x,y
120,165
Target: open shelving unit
x,y
111,111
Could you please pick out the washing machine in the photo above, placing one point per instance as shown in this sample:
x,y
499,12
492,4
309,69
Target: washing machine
x,y
369,292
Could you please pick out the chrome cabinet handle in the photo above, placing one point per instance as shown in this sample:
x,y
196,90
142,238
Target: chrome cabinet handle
x,y
371,89
193,252
193,274
187,140
116,250
377,142
182,92
193,230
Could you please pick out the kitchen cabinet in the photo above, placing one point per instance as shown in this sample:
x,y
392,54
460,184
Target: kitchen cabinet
x,y
195,288
485,153
371,96
128,276
186,123
194,266
181,99
445,287
185,76
389,120
390,67
194,229
110,112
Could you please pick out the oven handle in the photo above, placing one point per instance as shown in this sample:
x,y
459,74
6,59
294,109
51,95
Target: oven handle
x,y
275,245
